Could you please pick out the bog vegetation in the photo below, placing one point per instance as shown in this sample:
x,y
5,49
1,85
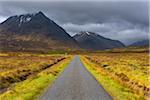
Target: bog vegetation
x,y
124,75
23,76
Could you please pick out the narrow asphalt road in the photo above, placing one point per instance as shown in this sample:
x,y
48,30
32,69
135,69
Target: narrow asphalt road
x,y
75,83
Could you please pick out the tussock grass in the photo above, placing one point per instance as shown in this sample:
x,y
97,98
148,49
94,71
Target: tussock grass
x,y
18,67
113,87
129,69
33,86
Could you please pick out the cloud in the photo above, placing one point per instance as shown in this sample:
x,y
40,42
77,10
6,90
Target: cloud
x,y
2,18
124,20
120,30
81,12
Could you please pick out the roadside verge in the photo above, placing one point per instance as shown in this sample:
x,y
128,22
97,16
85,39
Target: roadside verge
x,y
32,87
114,88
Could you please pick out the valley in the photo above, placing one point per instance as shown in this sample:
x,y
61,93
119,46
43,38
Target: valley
x,y
122,75
39,60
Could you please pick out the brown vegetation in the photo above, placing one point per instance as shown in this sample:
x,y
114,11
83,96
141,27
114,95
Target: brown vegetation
x,y
130,69
15,68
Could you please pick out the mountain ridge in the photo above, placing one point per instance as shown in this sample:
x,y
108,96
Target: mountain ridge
x,y
33,30
140,43
93,41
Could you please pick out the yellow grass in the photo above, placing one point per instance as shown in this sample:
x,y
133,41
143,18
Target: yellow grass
x,y
129,69
25,76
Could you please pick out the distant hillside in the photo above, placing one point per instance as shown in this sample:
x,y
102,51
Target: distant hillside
x,y
31,32
140,43
93,41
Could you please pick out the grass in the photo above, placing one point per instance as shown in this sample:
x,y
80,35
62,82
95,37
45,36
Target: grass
x,y
113,87
17,67
129,69
28,89
35,85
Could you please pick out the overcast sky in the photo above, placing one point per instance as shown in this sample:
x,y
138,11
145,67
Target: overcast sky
x,y
127,21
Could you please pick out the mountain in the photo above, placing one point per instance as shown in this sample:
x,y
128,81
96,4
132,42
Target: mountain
x,y
141,43
93,41
31,32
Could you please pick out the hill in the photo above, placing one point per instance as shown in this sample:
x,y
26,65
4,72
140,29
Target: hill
x,y
93,41
140,43
34,32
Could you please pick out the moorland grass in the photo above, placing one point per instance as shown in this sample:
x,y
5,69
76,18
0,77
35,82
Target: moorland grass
x,y
113,87
31,88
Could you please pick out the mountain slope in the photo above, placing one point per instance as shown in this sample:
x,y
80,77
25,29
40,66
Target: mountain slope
x,y
93,41
140,43
34,32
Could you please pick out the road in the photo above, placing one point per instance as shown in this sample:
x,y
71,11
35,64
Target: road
x,y
75,83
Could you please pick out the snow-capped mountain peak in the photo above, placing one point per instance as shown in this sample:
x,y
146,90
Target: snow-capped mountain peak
x,y
24,19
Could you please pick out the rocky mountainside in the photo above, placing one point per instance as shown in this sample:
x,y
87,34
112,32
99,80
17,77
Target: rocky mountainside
x,y
93,41
31,32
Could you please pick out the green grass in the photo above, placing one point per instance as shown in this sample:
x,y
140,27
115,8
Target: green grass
x,y
114,88
32,87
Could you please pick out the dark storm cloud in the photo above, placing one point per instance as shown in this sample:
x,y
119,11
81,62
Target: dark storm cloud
x,y
82,12
127,21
